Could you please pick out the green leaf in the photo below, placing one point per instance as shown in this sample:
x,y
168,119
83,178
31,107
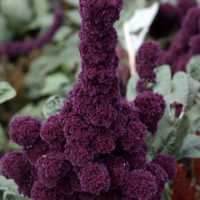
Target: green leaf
x,y
7,92
73,2
165,129
181,133
41,7
194,117
32,109
3,139
9,189
5,33
191,147
170,135
194,87
74,16
193,68
53,83
131,87
18,12
52,106
180,89
163,80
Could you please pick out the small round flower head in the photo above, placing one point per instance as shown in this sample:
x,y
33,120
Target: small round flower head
x,y
33,152
152,108
24,130
40,192
52,130
77,130
94,178
118,168
168,164
77,154
25,187
104,143
137,157
52,167
147,59
140,184
136,134
15,166
160,174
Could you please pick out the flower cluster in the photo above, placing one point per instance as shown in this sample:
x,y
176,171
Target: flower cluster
x,y
186,42
13,49
94,149
146,61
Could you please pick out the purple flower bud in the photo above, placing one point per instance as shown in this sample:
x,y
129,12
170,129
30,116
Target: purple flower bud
x,y
160,174
152,108
94,178
40,192
52,130
147,60
25,130
168,164
136,135
140,184
52,167
33,152
15,166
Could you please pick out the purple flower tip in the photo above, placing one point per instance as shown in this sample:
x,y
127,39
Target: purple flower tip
x,y
152,108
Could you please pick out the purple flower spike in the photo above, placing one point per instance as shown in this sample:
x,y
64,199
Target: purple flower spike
x,y
94,149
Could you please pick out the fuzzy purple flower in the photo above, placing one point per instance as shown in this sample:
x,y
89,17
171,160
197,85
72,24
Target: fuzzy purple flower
x,y
147,60
140,184
135,136
152,108
52,167
94,178
52,130
33,152
89,150
167,163
25,130
160,174
15,166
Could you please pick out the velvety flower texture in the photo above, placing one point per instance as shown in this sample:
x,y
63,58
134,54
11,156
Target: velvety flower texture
x,y
152,108
146,61
186,42
94,149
